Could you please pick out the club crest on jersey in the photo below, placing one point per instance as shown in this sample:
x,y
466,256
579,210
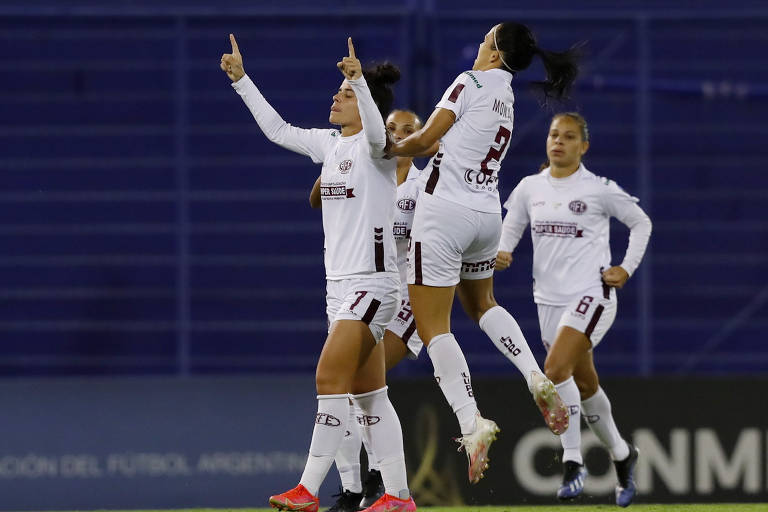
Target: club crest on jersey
x,y
577,207
345,166
406,204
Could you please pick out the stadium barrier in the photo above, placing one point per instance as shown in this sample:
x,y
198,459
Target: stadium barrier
x,y
129,443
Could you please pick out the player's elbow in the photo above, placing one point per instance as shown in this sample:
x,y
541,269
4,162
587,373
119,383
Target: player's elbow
x,y
314,200
643,224
378,148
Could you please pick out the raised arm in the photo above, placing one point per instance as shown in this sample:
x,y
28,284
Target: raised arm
x,y
373,124
312,143
456,100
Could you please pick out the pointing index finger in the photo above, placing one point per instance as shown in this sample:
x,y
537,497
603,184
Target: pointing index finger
x,y
351,47
235,48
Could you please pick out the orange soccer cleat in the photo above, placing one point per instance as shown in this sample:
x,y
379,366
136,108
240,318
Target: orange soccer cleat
x,y
298,499
388,503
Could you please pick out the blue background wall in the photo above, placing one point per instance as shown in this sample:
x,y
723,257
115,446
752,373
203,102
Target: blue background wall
x,y
147,227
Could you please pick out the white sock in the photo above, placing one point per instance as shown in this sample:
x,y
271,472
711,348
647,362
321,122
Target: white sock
x,y
366,435
348,456
386,435
330,426
571,438
506,335
597,411
452,374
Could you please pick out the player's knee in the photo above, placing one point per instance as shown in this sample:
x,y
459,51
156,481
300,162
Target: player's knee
x,y
477,308
331,383
426,334
557,372
587,386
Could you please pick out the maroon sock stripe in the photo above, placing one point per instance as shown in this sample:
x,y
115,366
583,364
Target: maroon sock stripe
x,y
371,311
593,322
417,262
409,331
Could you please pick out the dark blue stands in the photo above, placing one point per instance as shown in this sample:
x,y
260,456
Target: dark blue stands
x,y
148,226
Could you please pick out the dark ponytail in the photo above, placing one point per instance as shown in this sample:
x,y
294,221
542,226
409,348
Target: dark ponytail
x,y
517,47
562,70
380,78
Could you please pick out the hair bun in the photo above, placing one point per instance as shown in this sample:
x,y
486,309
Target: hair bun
x,y
386,73
380,77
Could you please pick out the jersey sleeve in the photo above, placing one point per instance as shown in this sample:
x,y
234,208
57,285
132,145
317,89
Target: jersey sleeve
x,y
373,124
624,207
516,219
313,143
457,97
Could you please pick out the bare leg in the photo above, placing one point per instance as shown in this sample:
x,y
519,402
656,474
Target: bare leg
x,y
432,308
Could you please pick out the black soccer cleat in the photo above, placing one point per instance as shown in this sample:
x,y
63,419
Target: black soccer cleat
x,y
625,472
373,488
346,501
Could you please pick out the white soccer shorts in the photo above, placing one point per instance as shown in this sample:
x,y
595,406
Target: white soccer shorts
x,y
403,325
450,242
373,301
591,312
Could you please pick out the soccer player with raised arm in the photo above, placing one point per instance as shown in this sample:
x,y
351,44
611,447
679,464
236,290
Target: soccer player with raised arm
x,y
357,186
400,337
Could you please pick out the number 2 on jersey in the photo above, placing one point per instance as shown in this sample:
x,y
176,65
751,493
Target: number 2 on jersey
x,y
502,139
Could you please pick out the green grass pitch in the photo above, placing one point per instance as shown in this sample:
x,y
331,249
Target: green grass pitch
x,y
714,507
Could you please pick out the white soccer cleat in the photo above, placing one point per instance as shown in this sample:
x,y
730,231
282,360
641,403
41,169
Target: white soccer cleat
x,y
549,402
477,444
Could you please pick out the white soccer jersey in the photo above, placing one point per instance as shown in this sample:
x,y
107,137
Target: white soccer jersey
x,y
570,227
465,169
405,205
357,184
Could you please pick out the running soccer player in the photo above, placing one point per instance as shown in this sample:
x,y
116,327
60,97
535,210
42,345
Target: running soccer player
x,y
569,209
